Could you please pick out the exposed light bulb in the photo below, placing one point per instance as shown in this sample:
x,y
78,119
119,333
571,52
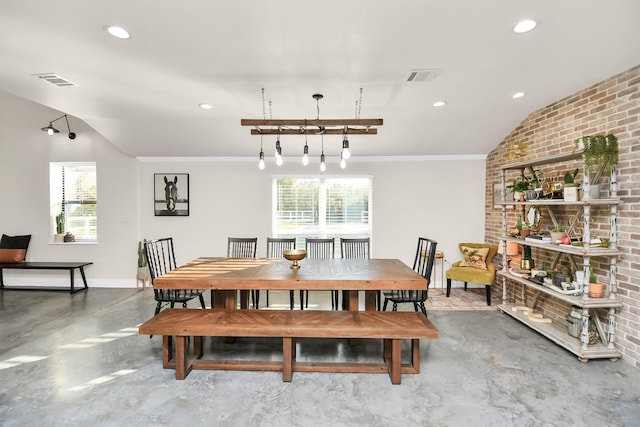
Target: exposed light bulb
x,y
50,131
261,162
323,166
305,156
279,160
343,163
345,148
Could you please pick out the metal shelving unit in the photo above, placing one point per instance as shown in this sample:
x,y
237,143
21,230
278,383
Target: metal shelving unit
x,y
557,331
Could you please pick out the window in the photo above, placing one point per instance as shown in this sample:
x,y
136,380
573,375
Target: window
x,y
321,208
73,199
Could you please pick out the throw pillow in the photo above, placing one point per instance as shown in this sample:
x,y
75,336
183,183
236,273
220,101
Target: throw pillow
x,y
12,256
474,257
15,242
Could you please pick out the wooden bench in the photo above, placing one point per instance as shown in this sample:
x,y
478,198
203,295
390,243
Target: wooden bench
x,y
288,325
70,266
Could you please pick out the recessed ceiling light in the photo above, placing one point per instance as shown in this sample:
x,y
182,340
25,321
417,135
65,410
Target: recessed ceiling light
x,y
205,106
117,32
517,95
525,26
440,103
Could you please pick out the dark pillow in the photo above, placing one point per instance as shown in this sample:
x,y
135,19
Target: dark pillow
x,y
15,242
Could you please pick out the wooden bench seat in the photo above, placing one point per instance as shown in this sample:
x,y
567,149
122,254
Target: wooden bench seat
x,y
288,325
35,265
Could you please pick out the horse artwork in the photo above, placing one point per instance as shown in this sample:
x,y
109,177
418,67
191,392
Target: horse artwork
x,y
169,194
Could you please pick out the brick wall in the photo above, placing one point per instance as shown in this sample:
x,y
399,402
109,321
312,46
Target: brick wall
x,y
611,106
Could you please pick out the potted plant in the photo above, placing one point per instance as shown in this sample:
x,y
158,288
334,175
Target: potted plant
x,y
518,188
59,236
557,233
143,270
600,157
596,288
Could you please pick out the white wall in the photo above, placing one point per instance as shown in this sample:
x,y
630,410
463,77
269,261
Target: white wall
x,y
437,198
25,153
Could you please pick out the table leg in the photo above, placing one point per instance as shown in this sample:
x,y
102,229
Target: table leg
x,y
371,300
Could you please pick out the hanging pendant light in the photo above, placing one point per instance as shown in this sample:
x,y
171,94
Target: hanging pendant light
x,y
305,155
343,162
261,161
346,154
323,166
279,160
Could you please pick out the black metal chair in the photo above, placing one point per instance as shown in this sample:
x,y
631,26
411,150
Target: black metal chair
x,y
275,247
161,259
355,248
244,247
423,265
319,249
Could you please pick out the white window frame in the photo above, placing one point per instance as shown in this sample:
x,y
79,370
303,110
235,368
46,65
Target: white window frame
x,y
84,229
323,228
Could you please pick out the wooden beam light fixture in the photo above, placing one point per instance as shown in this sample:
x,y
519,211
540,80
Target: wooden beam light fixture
x,y
344,127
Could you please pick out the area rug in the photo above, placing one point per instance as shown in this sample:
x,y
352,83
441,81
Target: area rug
x,y
459,300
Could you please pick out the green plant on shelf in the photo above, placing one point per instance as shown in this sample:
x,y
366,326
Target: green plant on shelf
x,y
600,154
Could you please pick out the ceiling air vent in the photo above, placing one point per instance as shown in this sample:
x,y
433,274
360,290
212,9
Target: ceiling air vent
x,y
55,79
423,75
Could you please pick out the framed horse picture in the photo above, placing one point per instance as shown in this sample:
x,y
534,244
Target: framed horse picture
x,y
171,194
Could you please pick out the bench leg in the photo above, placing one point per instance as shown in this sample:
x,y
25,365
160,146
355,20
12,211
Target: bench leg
x,y
288,354
167,351
395,365
415,355
84,279
182,370
197,347
71,274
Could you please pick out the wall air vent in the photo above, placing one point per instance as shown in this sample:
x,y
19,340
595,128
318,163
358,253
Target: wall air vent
x,y
423,75
55,79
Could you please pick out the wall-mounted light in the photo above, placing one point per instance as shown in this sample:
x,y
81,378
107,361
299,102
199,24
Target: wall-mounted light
x,y
50,130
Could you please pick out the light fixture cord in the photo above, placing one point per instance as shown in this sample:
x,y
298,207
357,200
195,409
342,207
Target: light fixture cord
x,y
359,104
264,111
318,107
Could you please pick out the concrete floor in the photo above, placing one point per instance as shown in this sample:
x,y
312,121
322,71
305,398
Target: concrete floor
x,y
77,360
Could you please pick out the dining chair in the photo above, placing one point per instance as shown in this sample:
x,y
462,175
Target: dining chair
x,y
423,265
275,247
244,247
161,259
319,249
355,248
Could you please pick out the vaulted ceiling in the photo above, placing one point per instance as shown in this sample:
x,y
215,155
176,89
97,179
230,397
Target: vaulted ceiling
x,y
143,93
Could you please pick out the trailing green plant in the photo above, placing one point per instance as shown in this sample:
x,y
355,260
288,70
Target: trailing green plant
x,y
524,183
558,228
142,259
60,223
600,154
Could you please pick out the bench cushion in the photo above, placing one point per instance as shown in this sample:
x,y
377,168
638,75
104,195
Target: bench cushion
x,y
13,249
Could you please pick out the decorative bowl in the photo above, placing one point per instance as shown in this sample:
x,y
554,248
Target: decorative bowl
x,y
295,255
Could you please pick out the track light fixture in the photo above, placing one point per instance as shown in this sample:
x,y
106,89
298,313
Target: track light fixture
x,y
50,130
317,126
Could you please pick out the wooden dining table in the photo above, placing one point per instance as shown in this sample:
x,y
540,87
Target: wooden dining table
x,y
226,276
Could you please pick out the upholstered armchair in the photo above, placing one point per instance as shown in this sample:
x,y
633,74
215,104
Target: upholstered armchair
x,y
475,267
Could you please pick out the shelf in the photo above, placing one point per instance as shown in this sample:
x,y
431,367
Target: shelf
x,y
566,249
545,160
562,202
558,333
578,300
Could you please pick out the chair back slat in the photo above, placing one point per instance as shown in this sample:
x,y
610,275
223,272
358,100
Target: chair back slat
x,y
275,246
355,248
241,247
320,248
425,257
160,256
